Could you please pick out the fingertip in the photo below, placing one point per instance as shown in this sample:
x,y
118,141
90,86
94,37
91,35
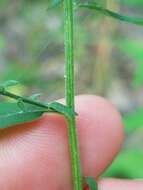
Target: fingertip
x,y
101,133
42,146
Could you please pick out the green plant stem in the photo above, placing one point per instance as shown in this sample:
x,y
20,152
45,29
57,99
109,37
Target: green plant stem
x,y
23,99
69,83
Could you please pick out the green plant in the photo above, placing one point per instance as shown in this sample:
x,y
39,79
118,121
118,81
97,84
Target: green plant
x,y
29,108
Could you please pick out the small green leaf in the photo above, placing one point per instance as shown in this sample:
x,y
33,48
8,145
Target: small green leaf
x,y
11,114
21,104
96,6
9,83
35,96
60,108
54,3
90,181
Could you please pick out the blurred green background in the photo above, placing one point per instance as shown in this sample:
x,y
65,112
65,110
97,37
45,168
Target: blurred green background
x,y
108,62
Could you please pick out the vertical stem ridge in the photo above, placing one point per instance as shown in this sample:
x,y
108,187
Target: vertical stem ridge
x,y
69,84
69,57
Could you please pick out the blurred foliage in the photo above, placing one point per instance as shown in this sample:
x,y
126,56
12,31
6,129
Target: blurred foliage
x,y
108,57
132,2
133,120
127,165
134,49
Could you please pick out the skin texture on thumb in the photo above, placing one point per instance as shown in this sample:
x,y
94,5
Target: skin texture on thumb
x,y
117,184
35,155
